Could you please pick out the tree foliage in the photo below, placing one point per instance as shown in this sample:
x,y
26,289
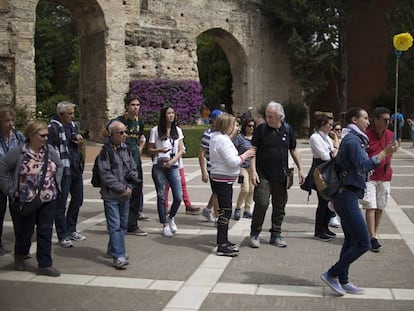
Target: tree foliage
x,y
57,52
214,72
314,32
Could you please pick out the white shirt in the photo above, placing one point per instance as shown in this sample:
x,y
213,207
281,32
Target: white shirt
x,y
321,145
164,144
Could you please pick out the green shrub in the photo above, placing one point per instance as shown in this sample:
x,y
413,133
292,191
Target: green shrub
x,y
47,108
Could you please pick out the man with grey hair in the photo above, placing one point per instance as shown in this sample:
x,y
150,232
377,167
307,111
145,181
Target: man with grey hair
x,y
64,136
273,139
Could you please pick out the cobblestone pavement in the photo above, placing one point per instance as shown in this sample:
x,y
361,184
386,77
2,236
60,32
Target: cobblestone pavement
x,y
183,273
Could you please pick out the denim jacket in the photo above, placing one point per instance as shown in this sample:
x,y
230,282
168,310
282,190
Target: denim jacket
x,y
353,161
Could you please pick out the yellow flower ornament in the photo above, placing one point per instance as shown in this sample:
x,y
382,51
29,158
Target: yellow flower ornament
x,y
403,41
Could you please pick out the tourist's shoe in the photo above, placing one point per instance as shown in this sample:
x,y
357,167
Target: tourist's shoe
x,y
108,255
172,224
254,241
137,231
333,283
247,215
76,236
19,264
330,233
278,241
166,231
208,215
334,222
236,215
142,217
3,251
120,263
192,210
225,250
375,246
233,246
322,237
27,256
65,243
352,289
48,271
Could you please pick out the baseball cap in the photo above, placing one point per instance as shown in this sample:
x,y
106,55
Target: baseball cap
x,y
215,113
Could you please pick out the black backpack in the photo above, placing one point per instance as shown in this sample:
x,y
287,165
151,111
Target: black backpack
x,y
96,178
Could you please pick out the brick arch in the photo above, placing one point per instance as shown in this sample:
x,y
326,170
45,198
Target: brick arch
x,y
90,23
236,56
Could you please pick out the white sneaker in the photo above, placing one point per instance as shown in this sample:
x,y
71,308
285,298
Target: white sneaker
x,y
76,236
166,231
334,222
208,215
172,224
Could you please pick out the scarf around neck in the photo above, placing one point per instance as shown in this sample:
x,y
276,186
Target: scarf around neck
x,y
360,133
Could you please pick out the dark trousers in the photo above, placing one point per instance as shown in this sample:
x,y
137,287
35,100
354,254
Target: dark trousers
x,y
3,207
224,192
135,207
322,217
66,221
261,197
24,228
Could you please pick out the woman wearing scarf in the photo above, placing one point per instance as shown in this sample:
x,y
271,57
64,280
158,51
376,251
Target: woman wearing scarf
x,y
354,164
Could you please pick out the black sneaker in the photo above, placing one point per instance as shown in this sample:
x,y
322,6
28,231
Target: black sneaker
x,y
330,233
233,246
322,237
236,215
225,250
375,246
137,231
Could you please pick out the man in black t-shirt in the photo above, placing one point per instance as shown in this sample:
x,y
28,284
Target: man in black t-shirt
x,y
273,139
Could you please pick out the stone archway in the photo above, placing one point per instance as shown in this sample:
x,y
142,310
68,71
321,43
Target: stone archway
x,y
90,23
237,59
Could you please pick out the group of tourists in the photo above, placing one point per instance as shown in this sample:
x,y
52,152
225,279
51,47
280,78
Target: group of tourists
x,y
45,164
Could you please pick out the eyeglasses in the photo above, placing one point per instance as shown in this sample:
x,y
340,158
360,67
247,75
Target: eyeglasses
x,y
121,132
330,124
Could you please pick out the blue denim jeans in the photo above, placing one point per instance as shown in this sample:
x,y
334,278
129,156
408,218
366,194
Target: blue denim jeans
x,y
116,214
65,221
161,177
24,227
356,241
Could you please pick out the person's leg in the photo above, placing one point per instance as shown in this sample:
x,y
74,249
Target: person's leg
x,y
173,177
116,234
133,210
167,191
186,197
369,203
261,199
123,224
224,193
279,199
60,218
249,197
76,200
23,230
244,188
356,241
160,180
3,207
44,229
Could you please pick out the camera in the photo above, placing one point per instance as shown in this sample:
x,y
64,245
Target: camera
x,y
133,178
172,155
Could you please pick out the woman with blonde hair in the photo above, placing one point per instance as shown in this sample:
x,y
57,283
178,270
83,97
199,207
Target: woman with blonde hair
x,y
9,138
28,172
225,169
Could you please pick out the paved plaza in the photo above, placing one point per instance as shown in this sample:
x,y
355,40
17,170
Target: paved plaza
x,y
183,273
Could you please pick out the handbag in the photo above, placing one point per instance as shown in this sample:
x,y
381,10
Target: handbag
x,y
327,179
161,161
289,178
28,208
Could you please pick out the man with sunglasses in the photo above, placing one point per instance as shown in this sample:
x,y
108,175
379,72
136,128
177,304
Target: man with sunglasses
x,y
379,184
64,136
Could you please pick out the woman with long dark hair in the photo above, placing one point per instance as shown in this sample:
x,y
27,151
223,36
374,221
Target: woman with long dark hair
x,y
166,146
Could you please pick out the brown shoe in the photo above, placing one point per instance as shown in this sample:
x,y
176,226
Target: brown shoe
x,y
192,210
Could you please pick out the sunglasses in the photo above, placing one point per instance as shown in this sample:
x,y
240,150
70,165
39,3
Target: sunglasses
x,y
337,129
251,125
121,132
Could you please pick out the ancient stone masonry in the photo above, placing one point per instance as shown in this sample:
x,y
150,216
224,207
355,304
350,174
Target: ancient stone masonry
x,y
136,39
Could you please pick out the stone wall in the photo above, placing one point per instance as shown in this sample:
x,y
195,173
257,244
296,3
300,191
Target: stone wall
x,y
132,39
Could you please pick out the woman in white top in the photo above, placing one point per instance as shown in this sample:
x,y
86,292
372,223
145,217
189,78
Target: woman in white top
x,y
166,146
323,150
225,169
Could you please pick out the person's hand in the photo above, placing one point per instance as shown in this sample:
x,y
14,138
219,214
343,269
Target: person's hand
x,y
249,153
204,177
391,148
301,177
255,178
127,193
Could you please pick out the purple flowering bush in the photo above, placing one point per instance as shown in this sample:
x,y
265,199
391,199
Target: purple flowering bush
x,y
184,95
